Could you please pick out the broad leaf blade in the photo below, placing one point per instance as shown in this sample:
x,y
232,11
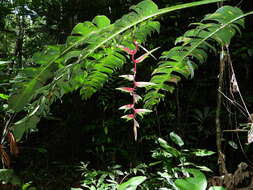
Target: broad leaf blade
x,y
197,182
176,139
132,183
168,148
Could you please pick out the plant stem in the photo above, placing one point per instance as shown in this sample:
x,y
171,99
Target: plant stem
x,y
221,156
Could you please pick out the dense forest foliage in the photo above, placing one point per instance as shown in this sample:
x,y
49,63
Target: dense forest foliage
x,y
126,94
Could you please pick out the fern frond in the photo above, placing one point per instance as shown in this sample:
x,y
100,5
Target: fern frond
x,y
49,59
219,27
84,62
92,36
31,79
100,72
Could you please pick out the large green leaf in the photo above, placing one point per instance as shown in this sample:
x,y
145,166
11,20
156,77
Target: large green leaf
x,y
31,79
4,96
176,139
168,148
194,48
132,183
92,36
197,182
203,152
86,61
26,124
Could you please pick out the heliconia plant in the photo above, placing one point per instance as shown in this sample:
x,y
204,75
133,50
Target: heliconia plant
x,y
135,84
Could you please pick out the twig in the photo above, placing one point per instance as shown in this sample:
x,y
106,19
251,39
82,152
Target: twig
x,y
235,130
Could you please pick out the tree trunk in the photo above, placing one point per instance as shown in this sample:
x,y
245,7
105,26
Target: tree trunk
x,y
18,53
221,156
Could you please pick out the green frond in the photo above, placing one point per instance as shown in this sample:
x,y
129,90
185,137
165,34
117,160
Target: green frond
x,y
24,125
31,79
182,60
100,71
84,62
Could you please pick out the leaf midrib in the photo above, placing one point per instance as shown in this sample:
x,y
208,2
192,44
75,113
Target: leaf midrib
x,y
159,12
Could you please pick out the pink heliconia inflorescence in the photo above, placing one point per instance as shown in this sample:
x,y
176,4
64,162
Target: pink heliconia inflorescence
x,y
132,90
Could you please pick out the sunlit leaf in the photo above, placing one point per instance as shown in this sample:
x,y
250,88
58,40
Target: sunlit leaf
x,y
216,188
4,96
168,148
101,21
4,62
141,112
193,49
86,61
176,139
132,183
197,182
204,168
203,152
233,144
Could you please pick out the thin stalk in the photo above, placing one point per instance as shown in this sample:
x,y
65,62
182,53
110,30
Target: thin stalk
x,y
221,156
220,4
19,41
134,101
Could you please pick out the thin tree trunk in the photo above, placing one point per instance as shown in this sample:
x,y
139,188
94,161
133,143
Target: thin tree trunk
x,y
220,4
221,156
19,42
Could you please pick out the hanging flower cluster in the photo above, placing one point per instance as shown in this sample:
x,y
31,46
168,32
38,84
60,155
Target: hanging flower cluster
x,y
132,90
